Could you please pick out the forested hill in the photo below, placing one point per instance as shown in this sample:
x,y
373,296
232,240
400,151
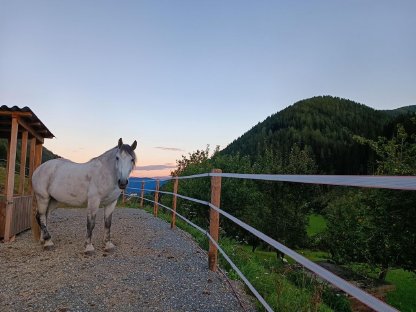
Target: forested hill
x,y
326,124
46,154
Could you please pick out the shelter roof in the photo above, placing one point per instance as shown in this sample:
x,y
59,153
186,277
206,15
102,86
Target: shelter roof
x,y
27,120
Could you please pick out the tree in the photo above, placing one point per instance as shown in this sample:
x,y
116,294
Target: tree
x,y
287,203
377,226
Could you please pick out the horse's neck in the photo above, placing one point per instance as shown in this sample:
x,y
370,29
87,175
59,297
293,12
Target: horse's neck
x,y
107,162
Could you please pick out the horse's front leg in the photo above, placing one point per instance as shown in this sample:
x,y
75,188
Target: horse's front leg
x,y
108,214
93,205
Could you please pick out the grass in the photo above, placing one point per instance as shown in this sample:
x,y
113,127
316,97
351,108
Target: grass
x,y
16,181
317,225
404,297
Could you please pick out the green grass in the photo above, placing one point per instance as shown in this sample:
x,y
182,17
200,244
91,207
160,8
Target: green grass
x,y
404,297
317,224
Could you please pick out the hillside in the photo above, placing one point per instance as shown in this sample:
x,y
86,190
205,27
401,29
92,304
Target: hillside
x,y
324,123
46,154
401,111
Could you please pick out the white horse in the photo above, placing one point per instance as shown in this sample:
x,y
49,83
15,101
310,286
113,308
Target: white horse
x,y
96,183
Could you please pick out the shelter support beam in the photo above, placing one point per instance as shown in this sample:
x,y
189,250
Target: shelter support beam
x,y
11,161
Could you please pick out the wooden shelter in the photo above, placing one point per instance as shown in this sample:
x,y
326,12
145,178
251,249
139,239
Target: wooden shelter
x,y
16,208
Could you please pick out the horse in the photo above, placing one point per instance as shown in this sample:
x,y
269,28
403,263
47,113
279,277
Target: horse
x,y
95,183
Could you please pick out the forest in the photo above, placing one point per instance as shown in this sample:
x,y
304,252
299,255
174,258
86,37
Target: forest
x,y
320,135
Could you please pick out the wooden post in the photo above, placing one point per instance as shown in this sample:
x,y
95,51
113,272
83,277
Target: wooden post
x,y
7,166
10,180
38,154
142,195
23,154
214,220
36,149
156,206
31,162
175,191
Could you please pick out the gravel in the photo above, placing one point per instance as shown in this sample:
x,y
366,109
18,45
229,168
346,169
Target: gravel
x,y
152,269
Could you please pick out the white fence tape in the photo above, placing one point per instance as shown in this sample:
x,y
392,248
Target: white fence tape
x,y
386,182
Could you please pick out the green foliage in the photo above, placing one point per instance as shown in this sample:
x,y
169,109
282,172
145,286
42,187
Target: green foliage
x,y
377,226
287,203
395,156
326,124
277,209
46,154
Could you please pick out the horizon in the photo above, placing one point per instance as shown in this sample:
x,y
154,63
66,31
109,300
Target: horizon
x,y
178,76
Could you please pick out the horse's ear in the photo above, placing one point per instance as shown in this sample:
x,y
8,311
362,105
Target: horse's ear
x,y
120,143
134,145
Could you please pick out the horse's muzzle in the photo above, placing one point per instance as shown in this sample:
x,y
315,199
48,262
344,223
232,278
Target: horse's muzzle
x,y
123,184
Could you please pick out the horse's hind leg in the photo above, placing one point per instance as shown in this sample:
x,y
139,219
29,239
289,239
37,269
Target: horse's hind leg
x,y
45,206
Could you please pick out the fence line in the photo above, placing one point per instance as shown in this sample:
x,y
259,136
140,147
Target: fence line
x,y
390,182
213,241
385,182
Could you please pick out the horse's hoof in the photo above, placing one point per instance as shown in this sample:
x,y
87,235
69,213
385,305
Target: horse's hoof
x,y
48,245
89,249
109,246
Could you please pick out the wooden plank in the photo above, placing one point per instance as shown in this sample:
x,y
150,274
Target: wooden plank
x,y
10,180
156,205
22,211
15,114
175,191
214,220
23,155
7,167
31,162
32,131
37,160
38,154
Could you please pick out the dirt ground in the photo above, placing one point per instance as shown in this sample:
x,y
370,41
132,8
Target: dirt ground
x,y
152,269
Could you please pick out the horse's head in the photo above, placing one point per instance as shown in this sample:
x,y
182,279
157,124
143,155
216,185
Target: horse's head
x,y
125,161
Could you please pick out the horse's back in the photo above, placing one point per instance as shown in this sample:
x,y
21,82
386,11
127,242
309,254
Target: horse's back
x,y
41,177
62,180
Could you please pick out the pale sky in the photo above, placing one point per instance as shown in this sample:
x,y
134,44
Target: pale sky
x,y
178,75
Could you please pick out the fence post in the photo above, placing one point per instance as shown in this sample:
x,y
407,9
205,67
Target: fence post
x,y
156,206
142,195
175,190
214,220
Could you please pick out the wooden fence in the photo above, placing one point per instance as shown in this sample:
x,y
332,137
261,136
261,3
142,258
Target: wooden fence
x,y
21,219
387,182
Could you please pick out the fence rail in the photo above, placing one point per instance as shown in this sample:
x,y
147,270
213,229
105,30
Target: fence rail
x,y
387,182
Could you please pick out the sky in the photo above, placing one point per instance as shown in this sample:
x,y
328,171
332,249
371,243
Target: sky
x,y
178,75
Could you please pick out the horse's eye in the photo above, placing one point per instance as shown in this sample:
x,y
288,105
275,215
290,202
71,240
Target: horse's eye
x,y
116,157
132,160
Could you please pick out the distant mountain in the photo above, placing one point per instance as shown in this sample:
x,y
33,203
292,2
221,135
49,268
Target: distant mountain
x,y
324,123
135,185
401,111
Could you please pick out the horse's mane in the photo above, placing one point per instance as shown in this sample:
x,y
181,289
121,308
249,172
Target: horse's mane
x,y
125,148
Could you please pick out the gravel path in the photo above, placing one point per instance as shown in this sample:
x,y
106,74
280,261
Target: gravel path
x,y
151,269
